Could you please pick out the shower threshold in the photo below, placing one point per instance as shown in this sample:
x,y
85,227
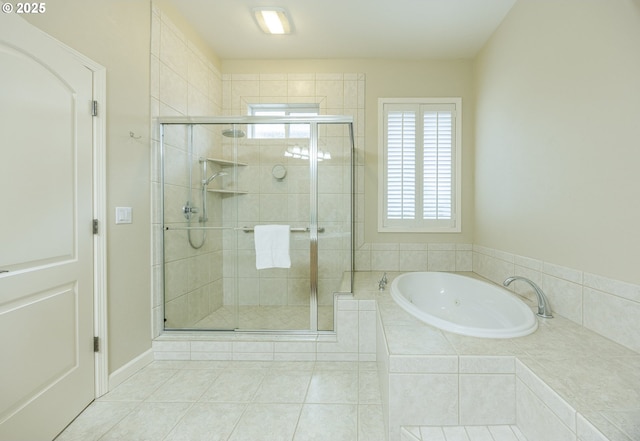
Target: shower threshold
x,y
276,319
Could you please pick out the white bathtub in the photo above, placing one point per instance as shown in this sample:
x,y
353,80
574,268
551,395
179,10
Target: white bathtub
x,y
463,305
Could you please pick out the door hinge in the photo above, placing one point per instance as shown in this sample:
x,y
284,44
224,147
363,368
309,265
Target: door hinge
x,y
94,108
96,344
95,226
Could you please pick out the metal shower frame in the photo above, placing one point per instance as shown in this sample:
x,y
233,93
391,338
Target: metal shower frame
x,y
313,229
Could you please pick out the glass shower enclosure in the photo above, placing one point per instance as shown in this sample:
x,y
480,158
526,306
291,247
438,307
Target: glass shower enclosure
x,y
221,177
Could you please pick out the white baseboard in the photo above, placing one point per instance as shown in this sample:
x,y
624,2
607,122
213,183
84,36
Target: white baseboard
x,y
126,371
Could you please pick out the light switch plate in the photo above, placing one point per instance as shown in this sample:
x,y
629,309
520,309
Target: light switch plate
x,y
123,215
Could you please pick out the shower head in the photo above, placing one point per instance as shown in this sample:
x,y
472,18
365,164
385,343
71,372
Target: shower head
x,y
233,133
206,182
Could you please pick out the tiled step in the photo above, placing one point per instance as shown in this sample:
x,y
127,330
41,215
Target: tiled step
x,y
461,433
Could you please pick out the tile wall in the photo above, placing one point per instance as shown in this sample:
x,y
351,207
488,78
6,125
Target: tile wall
x,y
607,306
414,257
270,200
183,83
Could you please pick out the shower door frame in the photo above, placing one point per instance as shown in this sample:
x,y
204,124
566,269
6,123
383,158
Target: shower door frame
x,y
313,122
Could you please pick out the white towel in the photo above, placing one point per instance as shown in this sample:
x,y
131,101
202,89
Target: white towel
x,y
272,246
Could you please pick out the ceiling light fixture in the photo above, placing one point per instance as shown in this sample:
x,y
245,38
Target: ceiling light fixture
x,y
272,20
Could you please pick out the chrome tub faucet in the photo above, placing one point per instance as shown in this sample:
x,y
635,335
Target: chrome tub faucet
x,y
544,309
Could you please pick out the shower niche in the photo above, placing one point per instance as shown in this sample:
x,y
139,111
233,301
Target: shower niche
x,y
223,176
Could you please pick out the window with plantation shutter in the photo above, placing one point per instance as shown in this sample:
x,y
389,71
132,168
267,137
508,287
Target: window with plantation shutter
x,y
419,168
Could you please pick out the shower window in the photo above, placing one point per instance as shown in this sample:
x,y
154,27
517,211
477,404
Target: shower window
x,y
420,165
280,131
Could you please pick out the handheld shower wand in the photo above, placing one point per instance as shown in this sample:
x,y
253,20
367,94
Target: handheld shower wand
x,y
206,182
204,218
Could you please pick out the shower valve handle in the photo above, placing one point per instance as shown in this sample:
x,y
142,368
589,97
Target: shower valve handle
x,y
188,210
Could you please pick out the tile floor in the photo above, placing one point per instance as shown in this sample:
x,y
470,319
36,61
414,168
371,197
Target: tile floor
x,y
460,433
237,401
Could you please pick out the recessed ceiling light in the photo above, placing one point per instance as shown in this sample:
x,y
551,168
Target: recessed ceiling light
x,y
272,20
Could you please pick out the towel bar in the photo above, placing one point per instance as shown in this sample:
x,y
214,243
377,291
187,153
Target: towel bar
x,y
293,230
245,229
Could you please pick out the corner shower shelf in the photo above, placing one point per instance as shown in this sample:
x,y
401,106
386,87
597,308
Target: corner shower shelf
x,y
226,163
217,190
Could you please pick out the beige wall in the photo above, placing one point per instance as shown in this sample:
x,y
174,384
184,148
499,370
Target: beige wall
x,y
393,78
558,127
116,34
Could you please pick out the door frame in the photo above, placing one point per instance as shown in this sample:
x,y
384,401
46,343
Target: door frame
x,y
100,329
100,324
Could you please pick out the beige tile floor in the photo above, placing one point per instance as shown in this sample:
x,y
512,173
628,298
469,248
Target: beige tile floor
x,y
238,401
462,433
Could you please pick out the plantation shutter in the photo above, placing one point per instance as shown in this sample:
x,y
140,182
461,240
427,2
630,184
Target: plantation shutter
x,y
438,164
401,164
419,173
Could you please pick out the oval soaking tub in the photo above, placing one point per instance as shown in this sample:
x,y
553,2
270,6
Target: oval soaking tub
x,y
463,305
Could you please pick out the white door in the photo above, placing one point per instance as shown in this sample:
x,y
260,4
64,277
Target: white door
x,y
46,243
